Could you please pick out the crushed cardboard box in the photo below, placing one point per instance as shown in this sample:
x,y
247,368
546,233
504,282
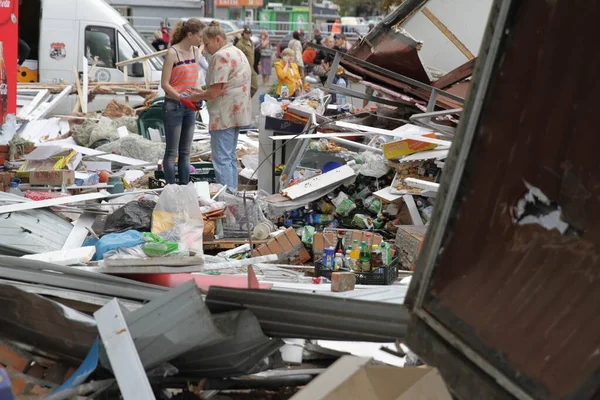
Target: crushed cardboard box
x,y
359,378
287,246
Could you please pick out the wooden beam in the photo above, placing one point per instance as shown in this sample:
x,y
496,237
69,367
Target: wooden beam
x,y
444,29
456,75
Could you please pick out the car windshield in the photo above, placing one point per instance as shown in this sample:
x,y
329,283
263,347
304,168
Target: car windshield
x,y
156,62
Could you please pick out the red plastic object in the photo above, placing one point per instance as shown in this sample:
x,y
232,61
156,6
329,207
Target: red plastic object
x,y
189,104
203,281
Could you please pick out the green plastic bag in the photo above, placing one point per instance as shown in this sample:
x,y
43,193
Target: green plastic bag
x,y
155,246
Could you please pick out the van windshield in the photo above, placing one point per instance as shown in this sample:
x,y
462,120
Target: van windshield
x,y
157,62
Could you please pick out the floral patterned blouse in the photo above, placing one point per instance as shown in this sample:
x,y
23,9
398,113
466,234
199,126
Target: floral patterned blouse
x,y
230,66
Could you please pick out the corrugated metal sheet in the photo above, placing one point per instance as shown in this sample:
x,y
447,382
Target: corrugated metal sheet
x,y
524,299
45,325
33,231
297,315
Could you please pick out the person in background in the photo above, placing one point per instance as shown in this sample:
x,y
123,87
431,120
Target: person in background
x,y
371,26
318,37
288,73
228,100
266,57
179,78
336,27
321,55
247,47
302,35
341,43
23,52
166,33
296,45
308,58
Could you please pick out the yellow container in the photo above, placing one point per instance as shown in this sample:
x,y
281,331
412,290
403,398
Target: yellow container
x,y
401,148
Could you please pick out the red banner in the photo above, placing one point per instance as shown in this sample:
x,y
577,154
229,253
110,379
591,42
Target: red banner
x,y
9,32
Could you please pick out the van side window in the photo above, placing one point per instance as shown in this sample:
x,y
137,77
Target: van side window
x,y
100,42
125,50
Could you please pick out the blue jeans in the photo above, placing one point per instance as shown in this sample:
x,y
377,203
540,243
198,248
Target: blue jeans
x,y
223,144
180,124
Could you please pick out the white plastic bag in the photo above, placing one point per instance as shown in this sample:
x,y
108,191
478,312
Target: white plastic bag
x,y
177,217
271,107
373,165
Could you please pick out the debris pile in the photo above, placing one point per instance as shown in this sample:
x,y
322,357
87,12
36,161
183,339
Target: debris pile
x,y
130,287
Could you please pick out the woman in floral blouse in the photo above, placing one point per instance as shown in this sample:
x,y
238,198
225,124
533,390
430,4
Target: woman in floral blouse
x,y
228,101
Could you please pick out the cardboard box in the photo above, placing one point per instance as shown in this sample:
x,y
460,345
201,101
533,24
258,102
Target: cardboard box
x,y
401,148
409,240
287,246
52,178
358,378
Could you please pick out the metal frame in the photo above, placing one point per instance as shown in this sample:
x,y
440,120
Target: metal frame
x,y
426,120
337,89
434,240
120,349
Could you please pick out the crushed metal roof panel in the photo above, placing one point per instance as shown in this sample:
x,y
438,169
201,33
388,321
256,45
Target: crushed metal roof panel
x,y
297,315
33,231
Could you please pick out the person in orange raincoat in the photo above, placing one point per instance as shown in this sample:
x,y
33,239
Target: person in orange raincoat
x,y
336,27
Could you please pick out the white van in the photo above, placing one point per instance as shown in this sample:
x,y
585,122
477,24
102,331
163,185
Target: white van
x,y
62,32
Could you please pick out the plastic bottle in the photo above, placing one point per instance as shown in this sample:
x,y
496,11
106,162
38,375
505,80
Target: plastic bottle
x,y
341,99
385,253
376,260
348,261
365,257
368,240
338,263
340,242
14,188
285,92
355,254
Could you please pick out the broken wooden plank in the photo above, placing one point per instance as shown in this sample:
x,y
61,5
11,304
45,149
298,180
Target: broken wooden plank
x,y
31,205
319,182
86,82
448,33
43,109
33,104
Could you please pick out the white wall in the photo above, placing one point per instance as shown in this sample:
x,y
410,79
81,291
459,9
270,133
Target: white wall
x,y
466,19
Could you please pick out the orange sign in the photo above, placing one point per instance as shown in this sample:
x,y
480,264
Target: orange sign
x,y
239,3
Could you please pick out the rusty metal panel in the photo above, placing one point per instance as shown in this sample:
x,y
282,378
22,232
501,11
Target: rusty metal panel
x,y
517,286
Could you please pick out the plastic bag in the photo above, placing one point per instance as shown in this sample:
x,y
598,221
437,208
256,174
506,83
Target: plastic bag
x,y
155,246
114,241
133,215
177,217
271,107
343,205
373,165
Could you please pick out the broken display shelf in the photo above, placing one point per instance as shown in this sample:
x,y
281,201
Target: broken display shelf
x,y
412,209
104,156
52,202
323,181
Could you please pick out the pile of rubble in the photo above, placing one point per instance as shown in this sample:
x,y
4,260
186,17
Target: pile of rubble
x,y
117,284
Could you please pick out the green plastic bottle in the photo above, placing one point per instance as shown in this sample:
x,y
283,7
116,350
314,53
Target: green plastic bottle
x,y
365,257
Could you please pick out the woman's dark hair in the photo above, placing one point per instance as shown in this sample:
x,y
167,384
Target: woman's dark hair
x,y
214,29
296,35
182,29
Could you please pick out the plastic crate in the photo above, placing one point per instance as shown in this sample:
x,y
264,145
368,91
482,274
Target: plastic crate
x,y
205,172
365,278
